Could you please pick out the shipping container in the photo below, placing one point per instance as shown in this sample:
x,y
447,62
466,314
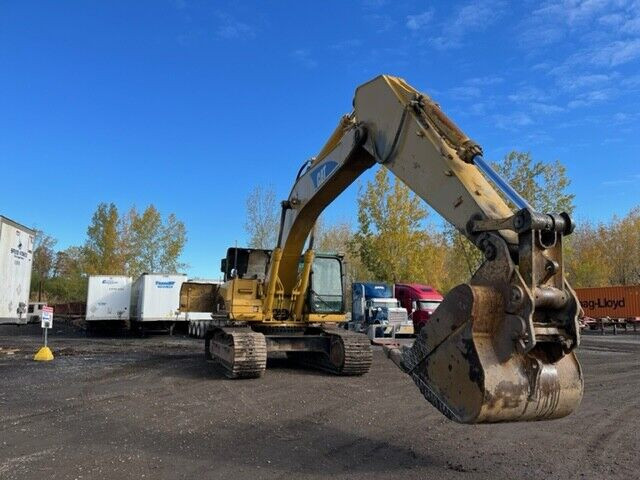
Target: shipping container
x,y
155,297
108,298
16,261
614,302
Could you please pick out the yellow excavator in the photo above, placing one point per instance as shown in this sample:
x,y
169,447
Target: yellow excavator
x,y
499,348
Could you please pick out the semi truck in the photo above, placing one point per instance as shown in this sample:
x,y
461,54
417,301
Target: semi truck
x,y
419,300
376,312
108,301
155,302
16,261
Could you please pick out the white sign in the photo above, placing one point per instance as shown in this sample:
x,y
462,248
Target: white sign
x,y
46,319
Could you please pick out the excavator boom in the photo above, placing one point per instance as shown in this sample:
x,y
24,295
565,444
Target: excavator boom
x,y
500,348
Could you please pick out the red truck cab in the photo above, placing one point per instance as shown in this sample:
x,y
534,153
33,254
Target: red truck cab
x,y
419,300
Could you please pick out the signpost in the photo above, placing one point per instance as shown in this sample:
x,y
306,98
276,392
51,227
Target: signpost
x,y
46,322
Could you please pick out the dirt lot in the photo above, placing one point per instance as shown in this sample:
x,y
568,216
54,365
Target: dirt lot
x,y
117,408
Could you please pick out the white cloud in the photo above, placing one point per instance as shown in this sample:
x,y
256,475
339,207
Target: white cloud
x,y
483,81
587,20
465,92
528,94
591,97
631,82
471,17
571,81
622,118
616,53
512,120
631,26
381,23
545,108
419,21
573,12
611,20
622,181
346,44
303,56
374,4
230,28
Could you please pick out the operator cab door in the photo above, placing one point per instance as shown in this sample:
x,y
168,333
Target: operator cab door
x,y
325,293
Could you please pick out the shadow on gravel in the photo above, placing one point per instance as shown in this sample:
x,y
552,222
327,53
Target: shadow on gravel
x,y
195,366
303,446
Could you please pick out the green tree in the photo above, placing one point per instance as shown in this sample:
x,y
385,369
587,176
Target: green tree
x,y
103,250
262,218
69,280
543,185
338,238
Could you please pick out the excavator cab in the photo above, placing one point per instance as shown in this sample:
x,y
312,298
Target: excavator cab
x,y
326,286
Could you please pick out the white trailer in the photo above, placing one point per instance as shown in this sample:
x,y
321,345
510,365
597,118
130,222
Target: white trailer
x,y
108,298
16,260
155,298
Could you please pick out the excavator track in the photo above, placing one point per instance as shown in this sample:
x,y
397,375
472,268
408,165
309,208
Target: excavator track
x,y
349,354
238,351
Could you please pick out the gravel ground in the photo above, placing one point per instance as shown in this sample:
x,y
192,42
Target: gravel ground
x,y
120,408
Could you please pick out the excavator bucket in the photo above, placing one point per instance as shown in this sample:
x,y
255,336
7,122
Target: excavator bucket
x,y
470,370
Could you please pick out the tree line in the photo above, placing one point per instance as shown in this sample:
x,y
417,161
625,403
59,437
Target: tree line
x,y
117,244
395,240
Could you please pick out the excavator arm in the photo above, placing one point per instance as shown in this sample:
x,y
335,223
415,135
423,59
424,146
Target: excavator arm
x,y
499,348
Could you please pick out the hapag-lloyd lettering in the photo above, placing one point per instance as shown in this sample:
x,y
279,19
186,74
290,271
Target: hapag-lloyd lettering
x,y
603,303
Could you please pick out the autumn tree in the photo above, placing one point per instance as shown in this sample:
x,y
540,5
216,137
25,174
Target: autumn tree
x,y
391,240
151,244
586,261
622,249
262,218
103,249
43,263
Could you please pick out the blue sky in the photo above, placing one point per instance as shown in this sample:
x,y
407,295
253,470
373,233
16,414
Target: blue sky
x,y
190,104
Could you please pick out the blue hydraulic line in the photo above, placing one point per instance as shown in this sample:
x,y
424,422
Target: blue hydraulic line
x,y
500,182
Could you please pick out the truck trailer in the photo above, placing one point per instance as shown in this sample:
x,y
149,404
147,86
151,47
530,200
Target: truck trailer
x,y
155,301
16,261
610,306
108,301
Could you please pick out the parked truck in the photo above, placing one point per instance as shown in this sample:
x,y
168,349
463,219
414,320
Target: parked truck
x,y
377,313
419,300
16,260
34,312
610,306
155,302
108,301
